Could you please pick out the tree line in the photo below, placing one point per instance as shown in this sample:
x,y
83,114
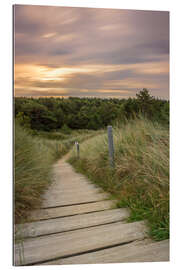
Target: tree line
x,y
86,113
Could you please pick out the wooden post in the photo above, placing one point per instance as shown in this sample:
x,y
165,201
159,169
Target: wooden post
x,y
77,148
111,146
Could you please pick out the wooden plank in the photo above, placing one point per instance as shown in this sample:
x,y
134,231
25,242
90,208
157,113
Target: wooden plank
x,y
51,247
133,252
57,225
54,199
48,213
157,252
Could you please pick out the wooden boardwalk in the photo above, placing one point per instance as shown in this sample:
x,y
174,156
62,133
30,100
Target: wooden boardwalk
x,y
77,224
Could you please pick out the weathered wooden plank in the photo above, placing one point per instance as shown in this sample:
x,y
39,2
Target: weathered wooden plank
x,y
48,213
133,252
54,199
51,247
57,225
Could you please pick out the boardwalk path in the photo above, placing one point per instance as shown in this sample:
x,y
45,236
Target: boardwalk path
x,y
77,224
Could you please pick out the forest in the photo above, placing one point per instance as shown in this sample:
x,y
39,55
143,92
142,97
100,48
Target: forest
x,y
50,114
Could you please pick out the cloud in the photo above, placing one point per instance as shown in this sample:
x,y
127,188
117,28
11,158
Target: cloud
x,y
86,81
117,44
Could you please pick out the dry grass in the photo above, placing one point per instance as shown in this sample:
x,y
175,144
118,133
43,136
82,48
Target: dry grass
x,y
33,159
140,179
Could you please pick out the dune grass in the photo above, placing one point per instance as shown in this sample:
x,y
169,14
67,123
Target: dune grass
x,y
140,179
33,159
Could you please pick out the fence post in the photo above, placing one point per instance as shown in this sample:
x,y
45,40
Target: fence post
x,y
111,146
77,148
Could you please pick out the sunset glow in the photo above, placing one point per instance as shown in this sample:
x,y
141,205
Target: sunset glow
x,y
63,51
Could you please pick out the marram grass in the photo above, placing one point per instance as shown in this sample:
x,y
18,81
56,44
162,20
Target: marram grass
x,y
33,160
140,179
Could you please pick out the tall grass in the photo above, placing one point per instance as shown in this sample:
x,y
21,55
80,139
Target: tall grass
x,y
140,179
33,159
32,168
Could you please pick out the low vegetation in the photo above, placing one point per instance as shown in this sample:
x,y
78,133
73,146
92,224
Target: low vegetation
x,y
140,179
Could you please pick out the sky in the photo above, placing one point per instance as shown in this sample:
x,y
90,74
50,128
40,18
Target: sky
x,y
88,52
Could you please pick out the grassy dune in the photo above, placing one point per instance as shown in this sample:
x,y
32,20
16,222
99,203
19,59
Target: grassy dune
x,y
140,179
33,159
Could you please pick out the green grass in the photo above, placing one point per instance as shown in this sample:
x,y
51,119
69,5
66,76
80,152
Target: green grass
x,y
140,179
33,160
